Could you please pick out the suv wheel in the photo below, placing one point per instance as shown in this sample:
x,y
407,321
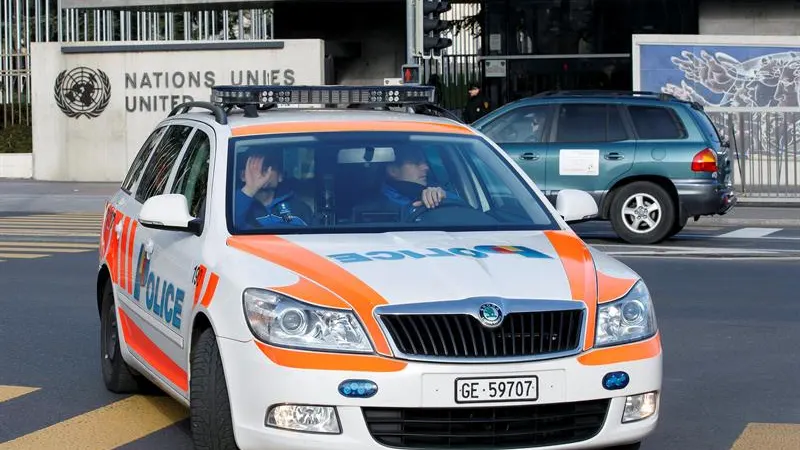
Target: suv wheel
x,y
209,405
642,213
118,376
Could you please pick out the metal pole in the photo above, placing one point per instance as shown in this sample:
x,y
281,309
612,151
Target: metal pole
x,y
410,16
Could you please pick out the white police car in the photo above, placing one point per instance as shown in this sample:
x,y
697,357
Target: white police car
x,y
342,278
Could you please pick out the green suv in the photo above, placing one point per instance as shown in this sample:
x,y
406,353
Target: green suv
x,y
650,160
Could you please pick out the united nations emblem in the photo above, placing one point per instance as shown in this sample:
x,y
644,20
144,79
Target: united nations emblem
x,y
82,92
490,314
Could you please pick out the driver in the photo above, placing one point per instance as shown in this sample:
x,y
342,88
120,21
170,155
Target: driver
x,y
407,181
264,200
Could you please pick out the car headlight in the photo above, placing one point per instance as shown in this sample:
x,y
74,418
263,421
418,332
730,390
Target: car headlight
x,y
283,321
628,319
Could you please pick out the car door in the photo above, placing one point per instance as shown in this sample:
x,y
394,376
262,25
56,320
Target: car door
x,y
177,255
153,299
591,147
522,133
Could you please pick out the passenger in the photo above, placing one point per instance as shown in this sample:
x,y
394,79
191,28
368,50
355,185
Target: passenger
x,y
264,201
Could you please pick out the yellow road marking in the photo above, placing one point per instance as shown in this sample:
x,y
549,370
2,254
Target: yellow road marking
x,y
772,436
108,427
22,255
81,245
4,248
11,392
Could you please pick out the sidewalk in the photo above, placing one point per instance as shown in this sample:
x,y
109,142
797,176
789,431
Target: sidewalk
x,y
25,196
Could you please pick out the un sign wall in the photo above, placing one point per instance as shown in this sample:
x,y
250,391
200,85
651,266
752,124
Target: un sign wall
x,y
94,104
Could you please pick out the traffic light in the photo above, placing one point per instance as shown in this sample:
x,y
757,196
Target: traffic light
x,y
431,26
411,74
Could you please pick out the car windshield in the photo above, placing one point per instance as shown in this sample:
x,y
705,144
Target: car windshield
x,y
367,181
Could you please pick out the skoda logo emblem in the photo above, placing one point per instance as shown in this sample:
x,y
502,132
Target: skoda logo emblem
x,y
490,314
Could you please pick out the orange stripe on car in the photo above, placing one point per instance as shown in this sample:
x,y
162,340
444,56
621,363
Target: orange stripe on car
x,y
612,288
138,341
308,264
350,125
131,238
623,353
579,268
308,291
211,287
198,286
298,359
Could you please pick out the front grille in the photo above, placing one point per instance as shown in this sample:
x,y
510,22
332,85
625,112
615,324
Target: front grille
x,y
462,335
503,427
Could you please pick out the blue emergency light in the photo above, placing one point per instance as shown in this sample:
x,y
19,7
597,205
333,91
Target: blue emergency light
x,y
266,95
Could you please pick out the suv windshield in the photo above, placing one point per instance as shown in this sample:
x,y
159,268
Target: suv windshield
x,y
375,181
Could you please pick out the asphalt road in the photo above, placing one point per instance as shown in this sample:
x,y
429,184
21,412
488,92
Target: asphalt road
x,y
726,307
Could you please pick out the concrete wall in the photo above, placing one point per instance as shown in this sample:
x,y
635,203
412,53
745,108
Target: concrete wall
x,y
749,17
16,165
95,104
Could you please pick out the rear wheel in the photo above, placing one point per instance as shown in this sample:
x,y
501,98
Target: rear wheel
x,y
642,213
210,408
117,375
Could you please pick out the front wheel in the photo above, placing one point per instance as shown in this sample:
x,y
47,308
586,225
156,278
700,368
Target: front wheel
x,y
209,405
642,213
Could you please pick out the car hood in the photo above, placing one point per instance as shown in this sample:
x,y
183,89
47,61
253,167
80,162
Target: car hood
x,y
410,267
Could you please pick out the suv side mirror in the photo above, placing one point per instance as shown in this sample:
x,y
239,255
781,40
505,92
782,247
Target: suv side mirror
x,y
576,206
169,212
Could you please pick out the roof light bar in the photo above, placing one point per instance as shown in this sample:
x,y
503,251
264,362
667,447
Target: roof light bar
x,y
264,95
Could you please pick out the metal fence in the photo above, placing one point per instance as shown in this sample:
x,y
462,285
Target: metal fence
x,y
26,21
765,151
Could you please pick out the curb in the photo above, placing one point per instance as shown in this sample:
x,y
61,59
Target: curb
x,y
706,222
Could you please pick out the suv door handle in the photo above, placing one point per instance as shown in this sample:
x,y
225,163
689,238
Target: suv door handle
x,y
529,156
614,156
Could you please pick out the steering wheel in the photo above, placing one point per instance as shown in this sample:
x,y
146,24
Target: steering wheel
x,y
467,214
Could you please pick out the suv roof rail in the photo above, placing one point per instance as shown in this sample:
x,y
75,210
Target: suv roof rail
x,y
219,114
604,93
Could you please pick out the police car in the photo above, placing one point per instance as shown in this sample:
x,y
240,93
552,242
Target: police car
x,y
357,272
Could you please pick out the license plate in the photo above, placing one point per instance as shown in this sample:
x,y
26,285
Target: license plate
x,y
498,389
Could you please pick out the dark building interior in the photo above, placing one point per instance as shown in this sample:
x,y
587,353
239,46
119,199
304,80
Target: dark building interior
x,y
572,44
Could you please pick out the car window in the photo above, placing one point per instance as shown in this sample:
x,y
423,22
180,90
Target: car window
x,y
191,179
707,126
374,181
156,175
655,122
589,123
526,124
141,158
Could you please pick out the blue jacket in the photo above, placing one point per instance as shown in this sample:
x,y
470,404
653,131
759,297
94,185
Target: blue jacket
x,y
405,198
284,210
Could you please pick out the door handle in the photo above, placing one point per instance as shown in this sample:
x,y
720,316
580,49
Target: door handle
x,y
530,156
614,156
148,248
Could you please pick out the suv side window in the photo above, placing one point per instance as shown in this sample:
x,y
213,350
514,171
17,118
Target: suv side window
x,y
594,122
655,122
141,158
526,124
161,164
191,179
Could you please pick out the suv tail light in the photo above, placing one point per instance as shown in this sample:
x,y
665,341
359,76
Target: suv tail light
x,y
705,161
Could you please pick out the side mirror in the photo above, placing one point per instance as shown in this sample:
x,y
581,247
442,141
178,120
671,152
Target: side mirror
x,y
169,212
576,206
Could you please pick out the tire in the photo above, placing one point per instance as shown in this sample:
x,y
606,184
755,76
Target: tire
x,y
209,404
118,376
624,213
677,228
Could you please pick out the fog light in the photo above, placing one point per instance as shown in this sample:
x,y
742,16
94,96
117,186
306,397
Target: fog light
x,y
308,418
638,407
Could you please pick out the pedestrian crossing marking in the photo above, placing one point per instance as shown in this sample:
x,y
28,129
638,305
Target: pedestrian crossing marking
x,y
750,233
49,245
772,436
52,225
23,255
110,426
11,392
